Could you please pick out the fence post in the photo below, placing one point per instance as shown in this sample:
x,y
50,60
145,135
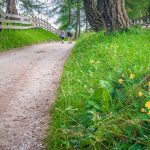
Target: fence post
x,y
29,19
0,23
22,20
47,25
42,23
7,22
38,22
32,20
50,28
13,23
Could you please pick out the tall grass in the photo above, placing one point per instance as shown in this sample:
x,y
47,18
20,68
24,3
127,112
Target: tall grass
x,y
14,39
103,99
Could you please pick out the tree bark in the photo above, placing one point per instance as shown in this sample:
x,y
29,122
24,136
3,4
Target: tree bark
x,y
78,21
114,15
0,23
11,7
79,18
69,13
92,14
86,25
99,5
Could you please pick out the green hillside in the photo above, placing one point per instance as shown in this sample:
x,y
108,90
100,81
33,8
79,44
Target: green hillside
x,y
15,39
103,100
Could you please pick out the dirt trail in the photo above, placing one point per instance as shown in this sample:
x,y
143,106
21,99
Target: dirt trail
x,y
28,80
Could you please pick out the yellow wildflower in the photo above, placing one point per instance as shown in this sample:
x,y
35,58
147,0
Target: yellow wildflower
x,y
142,110
140,94
120,81
147,104
149,83
91,61
132,76
148,112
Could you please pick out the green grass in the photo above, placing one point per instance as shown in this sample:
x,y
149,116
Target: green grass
x,y
103,89
18,38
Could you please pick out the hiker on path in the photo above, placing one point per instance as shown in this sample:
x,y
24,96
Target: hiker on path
x,y
62,35
69,33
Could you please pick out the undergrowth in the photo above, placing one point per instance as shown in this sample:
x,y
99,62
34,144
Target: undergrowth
x,y
103,100
14,39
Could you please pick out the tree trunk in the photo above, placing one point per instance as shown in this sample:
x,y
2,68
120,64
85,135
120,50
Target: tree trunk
x,y
76,30
0,23
69,13
99,5
79,17
78,22
11,7
92,14
114,15
86,25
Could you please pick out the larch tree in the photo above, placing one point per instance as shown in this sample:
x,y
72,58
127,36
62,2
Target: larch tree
x,y
111,13
78,19
92,14
11,7
114,15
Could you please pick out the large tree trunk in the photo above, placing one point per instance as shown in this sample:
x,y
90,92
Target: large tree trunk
x,y
99,5
114,15
11,7
92,14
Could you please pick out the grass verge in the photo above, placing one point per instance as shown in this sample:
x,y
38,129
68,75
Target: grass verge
x,y
103,99
15,39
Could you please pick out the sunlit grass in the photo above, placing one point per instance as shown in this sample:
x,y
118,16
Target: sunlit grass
x,y
103,98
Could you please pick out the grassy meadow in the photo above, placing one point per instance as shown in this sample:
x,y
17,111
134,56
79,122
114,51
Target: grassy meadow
x,y
103,100
18,38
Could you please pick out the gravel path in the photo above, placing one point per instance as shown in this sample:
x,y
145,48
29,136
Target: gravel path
x,y
28,80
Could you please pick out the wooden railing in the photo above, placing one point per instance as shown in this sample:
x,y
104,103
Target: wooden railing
x,y
142,21
18,22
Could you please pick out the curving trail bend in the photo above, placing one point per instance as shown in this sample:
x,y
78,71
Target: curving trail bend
x,y
29,78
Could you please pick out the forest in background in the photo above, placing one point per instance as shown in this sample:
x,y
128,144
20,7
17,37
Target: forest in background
x,y
71,12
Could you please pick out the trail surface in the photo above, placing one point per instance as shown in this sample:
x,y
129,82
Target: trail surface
x,y
28,80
